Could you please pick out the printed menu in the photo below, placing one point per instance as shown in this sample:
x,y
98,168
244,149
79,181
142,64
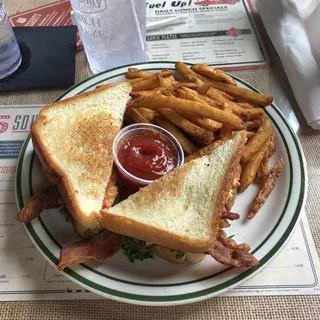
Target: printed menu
x,y
218,32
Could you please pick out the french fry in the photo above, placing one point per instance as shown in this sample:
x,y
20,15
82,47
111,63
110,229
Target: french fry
x,y
223,223
218,96
205,123
166,74
187,126
150,93
255,112
191,76
136,116
204,84
199,143
183,69
253,124
187,146
266,189
202,97
246,105
204,151
214,74
201,109
244,114
188,85
272,145
136,80
250,169
172,85
167,84
250,134
227,104
263,169
242,93
264,166
226,132
134,73
147,84
214,94
189,94
257,141
148,114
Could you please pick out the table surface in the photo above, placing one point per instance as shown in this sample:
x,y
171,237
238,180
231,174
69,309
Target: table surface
x,y
271,80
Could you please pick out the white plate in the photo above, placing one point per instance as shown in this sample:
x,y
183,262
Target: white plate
x,y
158,282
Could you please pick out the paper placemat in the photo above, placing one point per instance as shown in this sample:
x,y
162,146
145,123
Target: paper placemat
x,y
25,275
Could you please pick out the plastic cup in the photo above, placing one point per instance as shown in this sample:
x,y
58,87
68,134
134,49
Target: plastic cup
x,y
143,129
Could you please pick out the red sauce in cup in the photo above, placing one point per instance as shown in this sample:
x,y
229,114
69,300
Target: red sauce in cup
x,y
146,157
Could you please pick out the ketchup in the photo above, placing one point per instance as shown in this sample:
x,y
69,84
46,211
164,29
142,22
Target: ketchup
x,y
147,157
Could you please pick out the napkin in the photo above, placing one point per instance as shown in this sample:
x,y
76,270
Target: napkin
x,y
288,35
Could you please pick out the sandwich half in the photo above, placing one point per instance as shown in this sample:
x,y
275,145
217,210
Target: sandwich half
x,y
182,209
73,139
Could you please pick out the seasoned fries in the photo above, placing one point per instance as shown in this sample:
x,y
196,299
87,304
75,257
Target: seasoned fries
x,y
257,141
201,109
207,105
266,189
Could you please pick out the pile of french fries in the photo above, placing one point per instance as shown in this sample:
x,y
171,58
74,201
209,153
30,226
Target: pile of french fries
x,y
203,107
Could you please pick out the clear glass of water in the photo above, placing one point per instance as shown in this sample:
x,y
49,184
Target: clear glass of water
x,y
10,56
113,32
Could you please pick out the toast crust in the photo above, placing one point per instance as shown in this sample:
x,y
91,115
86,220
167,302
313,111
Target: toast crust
x,y
55,173
141,231
80,96
227,183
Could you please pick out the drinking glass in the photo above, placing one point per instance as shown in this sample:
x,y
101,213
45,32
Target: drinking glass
x,y
10,56
113,32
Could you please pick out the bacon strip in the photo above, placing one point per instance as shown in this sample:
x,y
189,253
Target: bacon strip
x,y
100,247
46,199
111,191
230,215
229,253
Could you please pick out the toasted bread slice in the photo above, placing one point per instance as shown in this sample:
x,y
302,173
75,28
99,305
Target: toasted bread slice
x,y
73,139
181,210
